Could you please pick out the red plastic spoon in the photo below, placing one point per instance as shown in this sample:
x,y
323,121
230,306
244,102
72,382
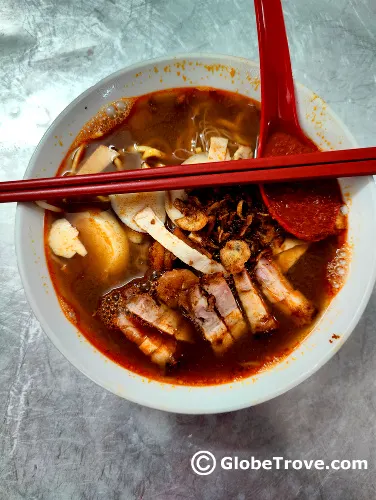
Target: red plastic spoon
x,y
309,210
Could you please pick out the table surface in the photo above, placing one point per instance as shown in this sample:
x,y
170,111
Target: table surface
x,y
63,437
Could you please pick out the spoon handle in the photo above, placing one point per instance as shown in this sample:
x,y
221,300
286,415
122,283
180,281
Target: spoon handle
x,y
277,86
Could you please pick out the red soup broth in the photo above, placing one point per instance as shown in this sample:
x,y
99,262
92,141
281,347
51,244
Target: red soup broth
x,y
170,121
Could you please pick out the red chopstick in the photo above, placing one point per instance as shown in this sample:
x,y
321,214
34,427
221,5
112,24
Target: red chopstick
x,y
317,158
345,163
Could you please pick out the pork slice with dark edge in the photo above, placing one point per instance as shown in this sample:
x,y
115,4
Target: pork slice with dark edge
x,y
160,349
225,303
161,317
280,292
196,305
259,316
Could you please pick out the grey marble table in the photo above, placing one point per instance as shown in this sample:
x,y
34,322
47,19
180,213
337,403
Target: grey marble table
x,y
61,436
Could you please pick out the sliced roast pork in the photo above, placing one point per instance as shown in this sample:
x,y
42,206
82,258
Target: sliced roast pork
x,y
259,317
217,286
159,348
203,314
161,317
280,292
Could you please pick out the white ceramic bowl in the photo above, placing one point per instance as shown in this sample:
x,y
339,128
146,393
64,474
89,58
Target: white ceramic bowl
x,y
320,124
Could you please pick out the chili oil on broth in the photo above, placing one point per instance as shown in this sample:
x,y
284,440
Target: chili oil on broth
x,y
172,121
169,120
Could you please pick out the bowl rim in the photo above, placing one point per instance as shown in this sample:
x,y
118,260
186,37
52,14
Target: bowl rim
x,y
228,405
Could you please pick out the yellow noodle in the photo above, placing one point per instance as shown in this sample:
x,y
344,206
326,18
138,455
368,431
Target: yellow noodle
x,y
118,164
77,157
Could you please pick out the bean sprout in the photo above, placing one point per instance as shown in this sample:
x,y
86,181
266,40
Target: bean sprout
x,y
48,206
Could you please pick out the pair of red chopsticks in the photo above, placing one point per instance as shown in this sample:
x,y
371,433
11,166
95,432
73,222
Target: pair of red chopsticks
x,y
345,163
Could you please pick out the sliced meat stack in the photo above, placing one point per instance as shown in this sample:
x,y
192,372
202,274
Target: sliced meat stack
x,y
279,292
258,314
202,312
159,349
113,310
160,317
217,286
179,301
